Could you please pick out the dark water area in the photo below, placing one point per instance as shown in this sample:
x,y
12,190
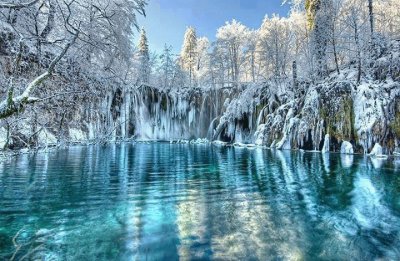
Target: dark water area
x,y
164,201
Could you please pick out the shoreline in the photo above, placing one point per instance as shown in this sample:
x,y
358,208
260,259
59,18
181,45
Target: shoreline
x,y
4,154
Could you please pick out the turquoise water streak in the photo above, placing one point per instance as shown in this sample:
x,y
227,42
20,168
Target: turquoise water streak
x,y
167,202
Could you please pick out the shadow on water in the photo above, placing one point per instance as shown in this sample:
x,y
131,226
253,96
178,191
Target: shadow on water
x,y
168,201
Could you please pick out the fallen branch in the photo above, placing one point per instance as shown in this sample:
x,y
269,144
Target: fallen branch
x,y
30,252
16,245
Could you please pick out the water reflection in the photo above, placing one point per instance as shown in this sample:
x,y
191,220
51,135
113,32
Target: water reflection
x,y
347,160
377,163
163,201
326,162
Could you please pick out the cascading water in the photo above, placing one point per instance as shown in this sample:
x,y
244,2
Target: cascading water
x,y
149,113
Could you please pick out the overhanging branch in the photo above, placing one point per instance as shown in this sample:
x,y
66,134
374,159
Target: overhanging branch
x,y
12,105
18,6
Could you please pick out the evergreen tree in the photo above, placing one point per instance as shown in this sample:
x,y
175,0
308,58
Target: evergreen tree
x,y
166,69
144,58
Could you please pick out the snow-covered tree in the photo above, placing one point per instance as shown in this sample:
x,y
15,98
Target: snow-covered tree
x,y
54,36
167,67
250,56
203,59
144,58
320,22
301,42
219,65
231,39
188,57
387,18
274,46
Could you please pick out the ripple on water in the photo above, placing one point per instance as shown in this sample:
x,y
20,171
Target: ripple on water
x,y
163,201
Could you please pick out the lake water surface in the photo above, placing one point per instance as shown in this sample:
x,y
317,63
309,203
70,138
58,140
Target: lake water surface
x,y
166,202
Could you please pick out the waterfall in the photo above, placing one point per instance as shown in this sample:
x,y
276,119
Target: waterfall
x,y
148,113
325,149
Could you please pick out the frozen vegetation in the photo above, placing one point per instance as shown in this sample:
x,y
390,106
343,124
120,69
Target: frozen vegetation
x,y
324,78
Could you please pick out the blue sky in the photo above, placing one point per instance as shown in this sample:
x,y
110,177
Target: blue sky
x,y
166,20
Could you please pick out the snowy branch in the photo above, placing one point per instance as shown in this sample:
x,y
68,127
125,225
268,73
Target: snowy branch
x,y
12,105
18,6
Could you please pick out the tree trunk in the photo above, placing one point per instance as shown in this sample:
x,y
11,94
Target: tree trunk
x,y
335,55
356,38
371,16
295,82
253,69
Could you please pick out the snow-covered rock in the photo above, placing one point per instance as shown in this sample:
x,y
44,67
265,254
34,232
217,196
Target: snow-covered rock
x,y
199,141
77,135
346,148
3,138
45,138
179,141
377,150
244,145
219,143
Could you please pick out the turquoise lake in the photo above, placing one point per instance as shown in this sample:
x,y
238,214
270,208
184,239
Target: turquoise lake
x,y
163,201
